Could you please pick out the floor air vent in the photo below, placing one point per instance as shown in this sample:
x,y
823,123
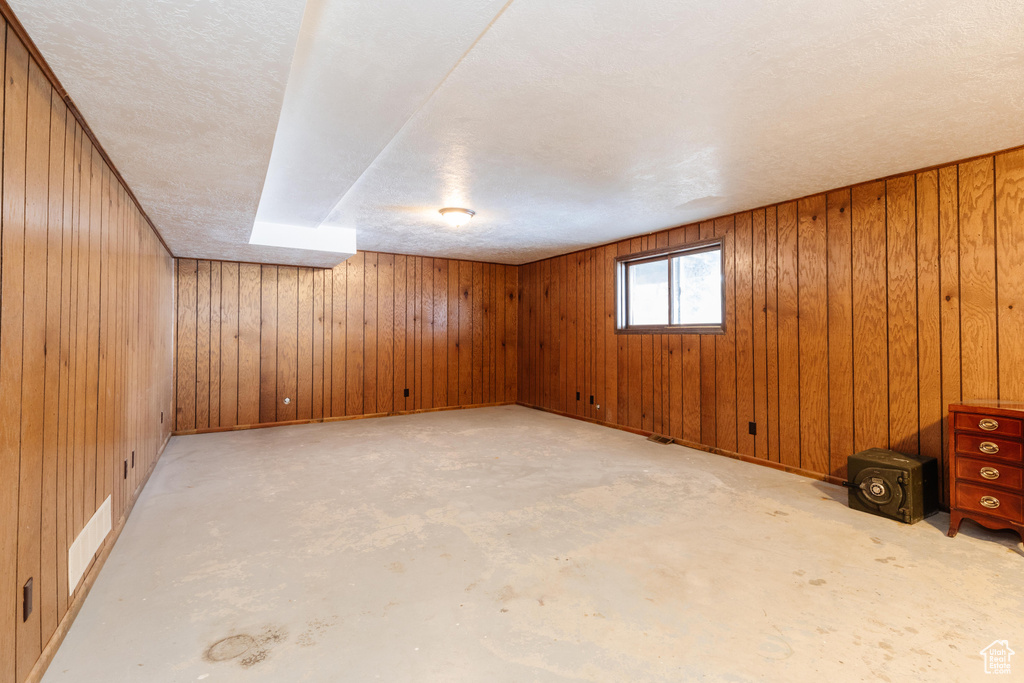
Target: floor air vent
x,y
658,438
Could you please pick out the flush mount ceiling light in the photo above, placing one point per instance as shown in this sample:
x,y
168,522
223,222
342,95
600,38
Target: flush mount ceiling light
x,y
455,216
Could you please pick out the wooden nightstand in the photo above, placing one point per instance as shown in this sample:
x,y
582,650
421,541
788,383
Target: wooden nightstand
x,y
986,465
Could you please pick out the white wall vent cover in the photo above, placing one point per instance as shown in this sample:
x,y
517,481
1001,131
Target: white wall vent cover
x,y
88,542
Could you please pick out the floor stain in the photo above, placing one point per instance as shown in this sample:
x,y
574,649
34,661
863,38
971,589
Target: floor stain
x,y
315,628
229,648
885,560
817,582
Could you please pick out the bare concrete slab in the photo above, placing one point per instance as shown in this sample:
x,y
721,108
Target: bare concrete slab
x,y
506,544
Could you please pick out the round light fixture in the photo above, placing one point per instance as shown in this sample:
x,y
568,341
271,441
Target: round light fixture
x,y
455,216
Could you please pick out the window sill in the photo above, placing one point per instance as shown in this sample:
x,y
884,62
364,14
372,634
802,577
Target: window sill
x,y
672,329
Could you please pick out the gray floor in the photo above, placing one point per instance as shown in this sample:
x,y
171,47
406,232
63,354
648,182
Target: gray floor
x,y
506,544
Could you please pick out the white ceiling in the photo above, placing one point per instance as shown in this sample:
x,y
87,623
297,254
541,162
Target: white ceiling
x,y
562,124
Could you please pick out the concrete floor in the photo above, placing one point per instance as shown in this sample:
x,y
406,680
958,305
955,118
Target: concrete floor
x,y
506,544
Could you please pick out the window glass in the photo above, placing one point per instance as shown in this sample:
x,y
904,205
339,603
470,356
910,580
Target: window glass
x,y
697,288
648,293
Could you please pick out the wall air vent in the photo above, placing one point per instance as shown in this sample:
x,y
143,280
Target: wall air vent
x,y
84,548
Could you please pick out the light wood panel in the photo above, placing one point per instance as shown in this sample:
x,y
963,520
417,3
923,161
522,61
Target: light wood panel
x,y
854,317
81,273
396,323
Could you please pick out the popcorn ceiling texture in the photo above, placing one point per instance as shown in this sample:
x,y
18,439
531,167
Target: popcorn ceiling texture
x,y
185,97
564,125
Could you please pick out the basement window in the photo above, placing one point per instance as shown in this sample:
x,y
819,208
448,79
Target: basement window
x,y
675,290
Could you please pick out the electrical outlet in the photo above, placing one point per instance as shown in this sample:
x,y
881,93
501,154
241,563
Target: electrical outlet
x,y
26,596
752,428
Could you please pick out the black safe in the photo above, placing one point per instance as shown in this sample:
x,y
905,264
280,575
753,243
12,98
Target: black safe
x,y
893,485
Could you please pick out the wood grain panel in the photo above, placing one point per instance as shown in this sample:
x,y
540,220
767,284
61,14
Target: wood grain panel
x,y
249,313
69,237
370,329
978,306
840,331
1009,175
287,343
744,317
870,355
308,342
268,344
305,341
814,339
901,240
229,345
789,335
725,344
931,410
385,333
760,351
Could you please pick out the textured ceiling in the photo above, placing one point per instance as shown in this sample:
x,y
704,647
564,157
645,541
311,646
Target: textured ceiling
x,y
184,95
562,124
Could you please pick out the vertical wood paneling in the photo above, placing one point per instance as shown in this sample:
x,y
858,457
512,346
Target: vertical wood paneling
x,y
229,345
931,410
268,344
68,416
287,343
398,400
744,318
760,351
870,354
725,344
369,341
306,334
813,326
249,314
304,342
978,307
840,331
203,344
789,335
385,333
1009,175
902,313
353,304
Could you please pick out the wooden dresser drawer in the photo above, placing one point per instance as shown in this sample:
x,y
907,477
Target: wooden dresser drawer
x,y
973,498
988,447
989,472
987,424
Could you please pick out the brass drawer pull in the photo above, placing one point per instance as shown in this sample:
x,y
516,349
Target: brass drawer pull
x,y
988,424
990,502
989,473
988,447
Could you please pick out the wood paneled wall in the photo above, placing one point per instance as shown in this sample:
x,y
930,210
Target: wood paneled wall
x,y
86,318
342,342
854,318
